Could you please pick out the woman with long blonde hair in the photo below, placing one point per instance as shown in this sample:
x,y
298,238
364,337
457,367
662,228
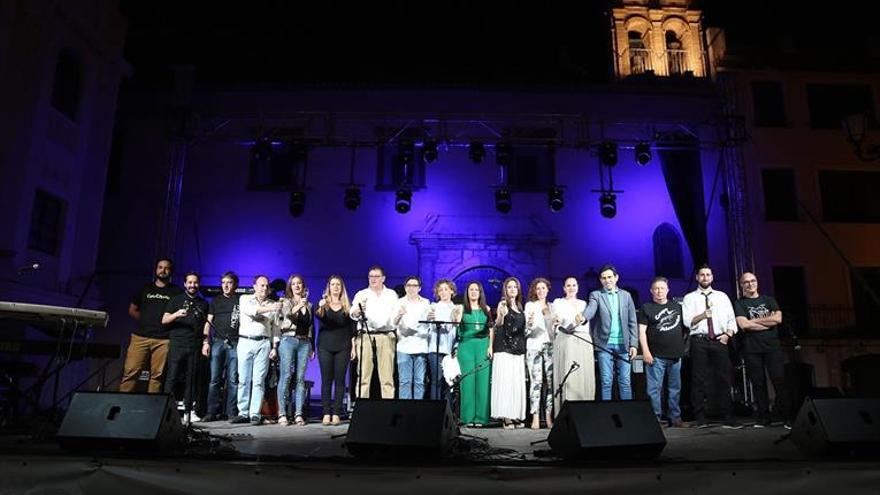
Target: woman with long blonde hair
x,y
335,338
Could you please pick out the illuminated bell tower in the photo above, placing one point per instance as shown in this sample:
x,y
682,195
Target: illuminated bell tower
x,y
660,37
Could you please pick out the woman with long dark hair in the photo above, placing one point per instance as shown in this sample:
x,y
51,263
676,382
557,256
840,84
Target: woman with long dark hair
x,y
474,354
508,358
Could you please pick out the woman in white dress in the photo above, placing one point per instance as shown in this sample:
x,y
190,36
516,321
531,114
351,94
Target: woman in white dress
x,y
573,344
539,351
508,358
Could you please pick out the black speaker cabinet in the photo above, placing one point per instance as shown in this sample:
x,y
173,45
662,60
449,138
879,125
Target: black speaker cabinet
x,y
840,426
607,430
401,429
101,421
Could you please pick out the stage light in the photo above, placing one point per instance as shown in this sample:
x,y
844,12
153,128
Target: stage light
x,y
608,153
403,200
608,204
429,150
555,200
503,152
297,203
406,152
503,202
476,151
643,153
262,149
352,197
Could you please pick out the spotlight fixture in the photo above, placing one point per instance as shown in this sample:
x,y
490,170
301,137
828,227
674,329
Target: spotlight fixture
x,y
429,150
643,153
608,153
554,199
476,151
608,204
297,203
406,151
403,200
262,149
503,152
503,202
352,197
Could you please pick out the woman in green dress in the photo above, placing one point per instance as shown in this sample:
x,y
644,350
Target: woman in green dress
x,y
474,352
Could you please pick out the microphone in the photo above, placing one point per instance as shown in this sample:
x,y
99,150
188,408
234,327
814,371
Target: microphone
x,y
29,268
575,365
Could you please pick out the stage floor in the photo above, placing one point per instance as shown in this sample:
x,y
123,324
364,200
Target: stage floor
x,y
226,458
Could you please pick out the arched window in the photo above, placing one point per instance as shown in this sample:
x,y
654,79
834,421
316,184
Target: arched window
x,y
676,59
67,85
668,258
639,56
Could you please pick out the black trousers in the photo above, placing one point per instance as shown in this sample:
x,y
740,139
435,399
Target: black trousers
x,y
178,370
772,362
333,365
710,376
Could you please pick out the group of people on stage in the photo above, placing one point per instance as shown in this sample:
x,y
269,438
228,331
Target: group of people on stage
x,y
524,357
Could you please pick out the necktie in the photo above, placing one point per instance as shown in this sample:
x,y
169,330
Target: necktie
x,y
711,331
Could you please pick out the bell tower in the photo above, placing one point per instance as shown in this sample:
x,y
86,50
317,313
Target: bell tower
x,y
660,37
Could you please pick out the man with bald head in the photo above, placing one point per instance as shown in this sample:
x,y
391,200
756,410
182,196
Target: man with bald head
x,y
759,318
256,331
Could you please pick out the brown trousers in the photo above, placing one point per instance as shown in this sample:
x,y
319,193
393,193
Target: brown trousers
x,y
143,352
385,355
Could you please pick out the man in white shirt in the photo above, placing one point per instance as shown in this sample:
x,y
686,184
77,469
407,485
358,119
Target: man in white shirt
x,y
255,334
372,308
709,315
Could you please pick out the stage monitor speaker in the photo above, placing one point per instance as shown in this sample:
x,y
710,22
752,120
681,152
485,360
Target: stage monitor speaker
x,y
112,421
837,427
401,429
607,430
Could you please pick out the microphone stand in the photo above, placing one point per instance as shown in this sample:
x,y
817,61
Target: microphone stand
x,y
364,330
574,366
437,326
455,390
201,319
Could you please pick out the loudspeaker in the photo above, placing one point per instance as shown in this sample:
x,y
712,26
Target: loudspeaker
x,y
401,429
101,421
839,426
607,430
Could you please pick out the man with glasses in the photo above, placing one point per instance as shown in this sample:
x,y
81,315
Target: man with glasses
x,y
412,339
759,318
372,308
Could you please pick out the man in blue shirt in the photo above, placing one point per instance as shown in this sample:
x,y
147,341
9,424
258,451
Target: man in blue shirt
x,y
613,326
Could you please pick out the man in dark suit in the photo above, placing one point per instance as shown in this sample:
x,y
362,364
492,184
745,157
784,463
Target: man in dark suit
x,y
613,326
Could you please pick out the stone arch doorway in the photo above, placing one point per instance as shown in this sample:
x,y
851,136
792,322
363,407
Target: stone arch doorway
x,y
485,248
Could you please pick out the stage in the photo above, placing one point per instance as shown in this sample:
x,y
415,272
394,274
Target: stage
x,y
226,458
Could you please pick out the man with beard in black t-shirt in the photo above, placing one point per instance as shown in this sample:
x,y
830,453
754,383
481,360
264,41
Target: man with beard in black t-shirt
x,y
221,339
149,343
759,317
185,317
661,335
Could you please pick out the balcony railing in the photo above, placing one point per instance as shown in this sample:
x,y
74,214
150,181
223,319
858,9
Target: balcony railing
x,y
639,60
676,61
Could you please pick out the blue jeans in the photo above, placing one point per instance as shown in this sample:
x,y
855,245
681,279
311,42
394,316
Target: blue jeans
x,y
253,364
411,375
294,355
607,363
223,358
655,372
